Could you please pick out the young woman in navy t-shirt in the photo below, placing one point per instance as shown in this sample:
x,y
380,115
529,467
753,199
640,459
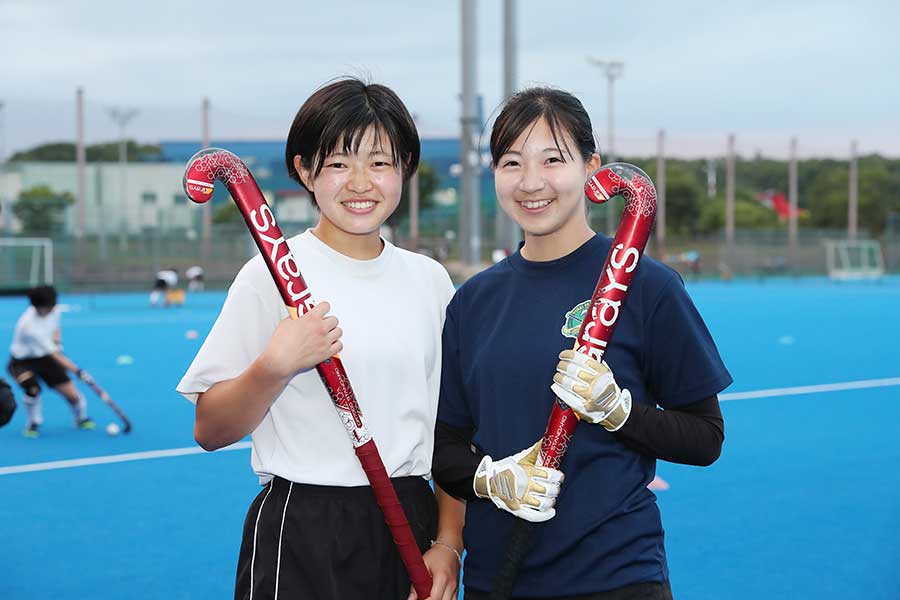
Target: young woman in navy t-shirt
x,y
653,397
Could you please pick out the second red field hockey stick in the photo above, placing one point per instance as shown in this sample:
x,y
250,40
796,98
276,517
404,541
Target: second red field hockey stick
x,y
203,169
639,193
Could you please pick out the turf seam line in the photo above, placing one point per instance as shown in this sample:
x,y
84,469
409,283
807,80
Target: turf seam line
x,y
114,458
812,389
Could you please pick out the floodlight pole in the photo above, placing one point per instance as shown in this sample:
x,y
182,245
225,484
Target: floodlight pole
x,y
506,230
207,207
613,70
470,209
121,117
853,192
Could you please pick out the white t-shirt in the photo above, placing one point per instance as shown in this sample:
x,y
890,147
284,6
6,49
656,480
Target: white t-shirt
x,y
34,335
169,276
391,310
195,271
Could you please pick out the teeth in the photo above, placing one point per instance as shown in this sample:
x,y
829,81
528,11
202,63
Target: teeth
x,y
536,204
360,205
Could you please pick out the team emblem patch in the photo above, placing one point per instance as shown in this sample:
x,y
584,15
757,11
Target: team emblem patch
x,y
574,319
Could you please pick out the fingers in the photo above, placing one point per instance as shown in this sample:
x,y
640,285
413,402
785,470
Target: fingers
x,y
543,488
321,309
535,516
570,385
582,360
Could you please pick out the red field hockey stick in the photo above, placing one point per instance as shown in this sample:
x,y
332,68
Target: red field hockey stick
x,y
201,173
639,193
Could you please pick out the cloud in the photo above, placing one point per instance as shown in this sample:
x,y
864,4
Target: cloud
x,y
696,68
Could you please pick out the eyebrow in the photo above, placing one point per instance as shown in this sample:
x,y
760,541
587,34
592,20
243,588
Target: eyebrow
x,y
547,149
372,153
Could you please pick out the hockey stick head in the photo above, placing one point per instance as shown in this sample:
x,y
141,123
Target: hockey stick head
x,y
628,181
205,167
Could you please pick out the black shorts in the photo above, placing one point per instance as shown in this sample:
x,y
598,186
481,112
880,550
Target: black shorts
x,y
328,543
27,370
650,590
160,284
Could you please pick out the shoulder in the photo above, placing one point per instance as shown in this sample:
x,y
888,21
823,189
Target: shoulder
x,y
656,275
253,284
662,287
489,279
26,317
426,269
483,286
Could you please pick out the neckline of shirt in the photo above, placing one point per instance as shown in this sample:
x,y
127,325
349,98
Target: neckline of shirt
x,y
552,267
351,266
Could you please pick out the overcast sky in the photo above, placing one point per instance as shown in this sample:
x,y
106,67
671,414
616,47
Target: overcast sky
x,y
825,71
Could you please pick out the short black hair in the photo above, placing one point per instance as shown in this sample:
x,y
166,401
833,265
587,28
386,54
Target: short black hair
x,y
43,296
559,108
340,113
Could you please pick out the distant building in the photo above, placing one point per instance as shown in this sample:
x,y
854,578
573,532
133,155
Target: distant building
x,y
153,197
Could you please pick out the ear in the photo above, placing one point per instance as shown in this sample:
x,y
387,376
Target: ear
x,y
305,175
592,164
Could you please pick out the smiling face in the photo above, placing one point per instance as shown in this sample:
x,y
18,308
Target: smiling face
x,y
356,191
540,182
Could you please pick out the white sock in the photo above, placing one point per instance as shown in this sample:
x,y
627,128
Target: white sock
x,y
33,405
80,408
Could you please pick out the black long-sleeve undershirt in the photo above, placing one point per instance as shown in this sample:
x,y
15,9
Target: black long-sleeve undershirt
x,y
690,434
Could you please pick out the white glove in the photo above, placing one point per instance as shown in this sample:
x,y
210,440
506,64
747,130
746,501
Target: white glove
x,y
516,485
588,388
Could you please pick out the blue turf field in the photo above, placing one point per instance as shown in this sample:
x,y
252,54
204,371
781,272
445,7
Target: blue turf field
x,y
804,503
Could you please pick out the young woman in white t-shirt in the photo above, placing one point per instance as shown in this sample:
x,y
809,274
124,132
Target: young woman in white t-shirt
x,y
315,531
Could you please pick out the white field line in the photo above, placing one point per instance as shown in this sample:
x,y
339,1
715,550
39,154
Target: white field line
x,y
813,389
114,458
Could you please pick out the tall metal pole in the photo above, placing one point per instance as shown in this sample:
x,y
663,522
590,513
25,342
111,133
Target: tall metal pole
x,y
710,178
5,203
121,117
80,164
207,207
470,223
853,204
792,205
729,202
506,230
414,209
613,70
661,194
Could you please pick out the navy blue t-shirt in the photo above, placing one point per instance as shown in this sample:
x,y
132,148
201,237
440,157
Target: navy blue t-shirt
x,y
504,330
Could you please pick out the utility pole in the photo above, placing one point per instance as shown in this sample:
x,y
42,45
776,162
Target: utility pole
x,y
5,203
792,205
729,203
661,194
613,70
79,168
853,204
207,206
470,208
121,117
414,208
506,230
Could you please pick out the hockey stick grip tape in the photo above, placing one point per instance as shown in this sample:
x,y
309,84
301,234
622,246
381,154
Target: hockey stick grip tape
x,y
395,518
